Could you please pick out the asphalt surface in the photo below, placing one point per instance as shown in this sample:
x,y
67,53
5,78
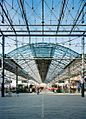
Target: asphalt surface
x,y
43,106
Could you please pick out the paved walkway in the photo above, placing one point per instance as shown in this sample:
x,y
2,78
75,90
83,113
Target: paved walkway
x,y
43,106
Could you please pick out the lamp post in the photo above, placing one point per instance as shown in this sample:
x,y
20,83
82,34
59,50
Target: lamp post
x,y
82,79
3,54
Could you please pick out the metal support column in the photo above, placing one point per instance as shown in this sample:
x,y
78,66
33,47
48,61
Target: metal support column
x,y
69,79
3,54
16,79
82,80
16,67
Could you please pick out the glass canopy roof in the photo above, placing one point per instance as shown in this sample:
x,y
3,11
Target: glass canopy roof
x,y
43,31
43,61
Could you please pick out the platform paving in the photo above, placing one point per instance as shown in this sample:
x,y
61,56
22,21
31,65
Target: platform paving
x,y
43,106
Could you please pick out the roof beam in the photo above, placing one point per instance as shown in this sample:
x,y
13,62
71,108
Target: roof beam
x,y
1,32
44,31
24,15
45,35
77,18
7,18
44,25
62,12
43,17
